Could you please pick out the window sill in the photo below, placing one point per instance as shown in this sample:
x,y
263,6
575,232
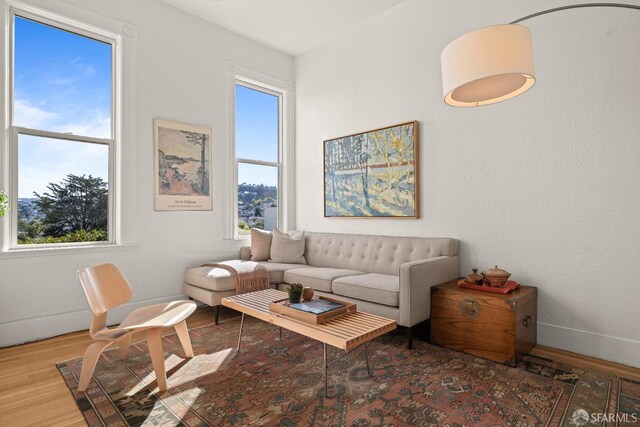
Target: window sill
x,y
67,250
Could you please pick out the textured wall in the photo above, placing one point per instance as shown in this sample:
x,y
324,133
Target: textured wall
x,y
181,76
545,185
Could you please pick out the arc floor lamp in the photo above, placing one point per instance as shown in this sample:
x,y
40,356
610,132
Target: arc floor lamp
x,y
494,64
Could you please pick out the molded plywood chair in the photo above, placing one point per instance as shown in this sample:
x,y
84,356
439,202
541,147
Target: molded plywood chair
x,y
105,288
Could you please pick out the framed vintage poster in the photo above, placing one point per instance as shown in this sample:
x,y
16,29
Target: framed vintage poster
x,y
182,166
372,174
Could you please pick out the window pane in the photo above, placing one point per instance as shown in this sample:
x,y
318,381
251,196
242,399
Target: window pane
x,y
62,81
257,197
62,191
257,124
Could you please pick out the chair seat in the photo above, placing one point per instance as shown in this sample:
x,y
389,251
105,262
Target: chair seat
x,y
110,334
158,315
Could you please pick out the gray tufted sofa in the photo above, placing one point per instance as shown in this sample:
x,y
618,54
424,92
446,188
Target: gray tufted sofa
x,y
387,276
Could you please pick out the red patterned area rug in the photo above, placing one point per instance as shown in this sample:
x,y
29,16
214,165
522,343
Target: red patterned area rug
x,y
279,383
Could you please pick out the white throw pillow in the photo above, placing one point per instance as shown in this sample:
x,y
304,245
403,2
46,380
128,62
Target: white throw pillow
x,y
260,244
288,247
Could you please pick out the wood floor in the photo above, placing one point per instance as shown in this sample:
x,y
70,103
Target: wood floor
x,y
33,393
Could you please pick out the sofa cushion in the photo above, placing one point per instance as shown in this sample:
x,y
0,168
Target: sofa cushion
x,y
218,279
260,244
214,279
276,270
373,254
317,277
389,253
373,287
349,251
288,247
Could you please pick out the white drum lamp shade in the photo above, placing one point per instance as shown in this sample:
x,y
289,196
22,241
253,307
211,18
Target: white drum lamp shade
x,y
487,66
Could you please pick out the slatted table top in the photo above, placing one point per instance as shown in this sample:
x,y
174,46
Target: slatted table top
x,y
345,332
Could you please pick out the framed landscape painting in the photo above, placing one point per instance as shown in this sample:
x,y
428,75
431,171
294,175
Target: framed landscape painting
x,y
182,166
372,174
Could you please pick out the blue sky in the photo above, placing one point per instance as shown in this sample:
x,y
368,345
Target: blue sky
x,y
62,83
256,134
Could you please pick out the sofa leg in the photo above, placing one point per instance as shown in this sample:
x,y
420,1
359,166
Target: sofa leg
x,y
410,336
216,309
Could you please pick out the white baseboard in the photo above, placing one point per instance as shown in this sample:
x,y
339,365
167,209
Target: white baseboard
x,y
606,347
37,328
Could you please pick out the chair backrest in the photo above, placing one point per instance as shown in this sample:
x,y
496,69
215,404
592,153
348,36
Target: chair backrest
x,y
105,287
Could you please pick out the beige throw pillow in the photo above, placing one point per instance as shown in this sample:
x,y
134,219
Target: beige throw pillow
x,y
288,247
260,244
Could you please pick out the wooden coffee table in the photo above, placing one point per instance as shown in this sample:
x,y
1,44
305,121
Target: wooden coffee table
x,y
346,332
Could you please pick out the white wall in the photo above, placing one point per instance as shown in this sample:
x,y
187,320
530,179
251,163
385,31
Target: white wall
x,y
181,75
545,185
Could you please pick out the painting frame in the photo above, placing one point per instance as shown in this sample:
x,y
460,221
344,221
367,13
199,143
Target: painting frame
x,y
332,207
182,155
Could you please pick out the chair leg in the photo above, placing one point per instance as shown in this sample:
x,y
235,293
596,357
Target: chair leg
x,y
216,310
123,346
89,361
154,342
183,335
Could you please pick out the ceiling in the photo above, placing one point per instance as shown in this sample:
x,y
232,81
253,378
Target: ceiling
x,y
290,26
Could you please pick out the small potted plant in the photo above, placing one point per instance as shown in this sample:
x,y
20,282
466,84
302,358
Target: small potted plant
x,y
295,291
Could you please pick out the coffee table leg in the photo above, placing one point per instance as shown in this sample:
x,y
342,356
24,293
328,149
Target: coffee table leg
x,y
240,334
366,358
326,365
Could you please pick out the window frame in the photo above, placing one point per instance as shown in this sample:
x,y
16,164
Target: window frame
x,y
260,87
14,10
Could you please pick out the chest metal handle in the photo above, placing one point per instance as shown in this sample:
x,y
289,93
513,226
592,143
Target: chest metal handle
x,y
469,308
526,321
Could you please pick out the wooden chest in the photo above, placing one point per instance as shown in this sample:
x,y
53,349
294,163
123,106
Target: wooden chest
x,y
494,326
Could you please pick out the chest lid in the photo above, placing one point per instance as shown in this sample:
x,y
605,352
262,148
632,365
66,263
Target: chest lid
x,y
511,301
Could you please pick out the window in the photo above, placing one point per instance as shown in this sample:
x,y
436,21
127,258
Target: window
x,y
258,145
62,132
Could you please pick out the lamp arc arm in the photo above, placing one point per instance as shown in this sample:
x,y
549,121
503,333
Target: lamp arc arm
x,y
576,6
